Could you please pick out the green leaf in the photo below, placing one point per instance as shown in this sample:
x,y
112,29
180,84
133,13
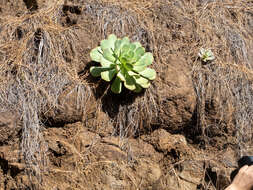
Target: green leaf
x,y
96,71
125,40
137,45
131,73
105,63
108,75
108,54
119,44
144,83
116,86
109,43
139,68
130,82
148,73
130,55
138,88
125,48
143,62
121,75
146,59
127,61
118,68
128,66
139,52
210,58
132,47
96,54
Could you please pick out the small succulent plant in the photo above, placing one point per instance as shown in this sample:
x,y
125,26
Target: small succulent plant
x,y
123,62
206,55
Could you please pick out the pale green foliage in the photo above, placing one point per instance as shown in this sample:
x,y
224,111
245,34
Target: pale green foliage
x,y
123,62
206,55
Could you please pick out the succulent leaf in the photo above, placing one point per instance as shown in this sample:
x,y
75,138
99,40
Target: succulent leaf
x,y
121,75
108,54
127,61
119,44
129,82
131,73
108,75
125,48
116,86
143,82
138,53
138,88
148,73
109,43
143,62
132,47
130,55
96,71
137,45
126,40
139,68
206,55
105,63
96,54
128,66
146,59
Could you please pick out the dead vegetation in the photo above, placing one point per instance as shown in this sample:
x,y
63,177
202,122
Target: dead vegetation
x,y
131,113
224,87
34,72
35,67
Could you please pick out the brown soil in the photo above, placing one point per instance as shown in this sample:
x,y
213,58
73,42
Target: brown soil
x,y
60,128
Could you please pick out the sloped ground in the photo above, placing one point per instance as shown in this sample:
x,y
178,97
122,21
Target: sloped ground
x,y
62,129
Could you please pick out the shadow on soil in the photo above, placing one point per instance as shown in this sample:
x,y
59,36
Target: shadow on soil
x,y
111,102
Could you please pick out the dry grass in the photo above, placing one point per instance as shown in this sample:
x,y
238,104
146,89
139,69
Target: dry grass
x,y
34,70
118,18
225,86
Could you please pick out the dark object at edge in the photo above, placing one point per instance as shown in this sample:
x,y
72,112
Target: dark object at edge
x,y
245,160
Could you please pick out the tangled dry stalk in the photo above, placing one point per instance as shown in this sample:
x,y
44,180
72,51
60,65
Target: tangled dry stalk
x,y
34,70
225,86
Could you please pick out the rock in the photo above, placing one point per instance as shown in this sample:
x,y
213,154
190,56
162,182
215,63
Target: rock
x,y
191,172
174,145
136,160
9,126
23,181
164,141
176,94
2,185
103,163
218,174
73,104
87,126
98,121
12,7
10,153
18,166
10,183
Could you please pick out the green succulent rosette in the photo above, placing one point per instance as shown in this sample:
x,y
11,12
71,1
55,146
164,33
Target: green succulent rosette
x,y
206,55
123,62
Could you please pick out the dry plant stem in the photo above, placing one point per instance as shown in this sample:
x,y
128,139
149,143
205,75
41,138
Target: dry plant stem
x,y
34,74
232,90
